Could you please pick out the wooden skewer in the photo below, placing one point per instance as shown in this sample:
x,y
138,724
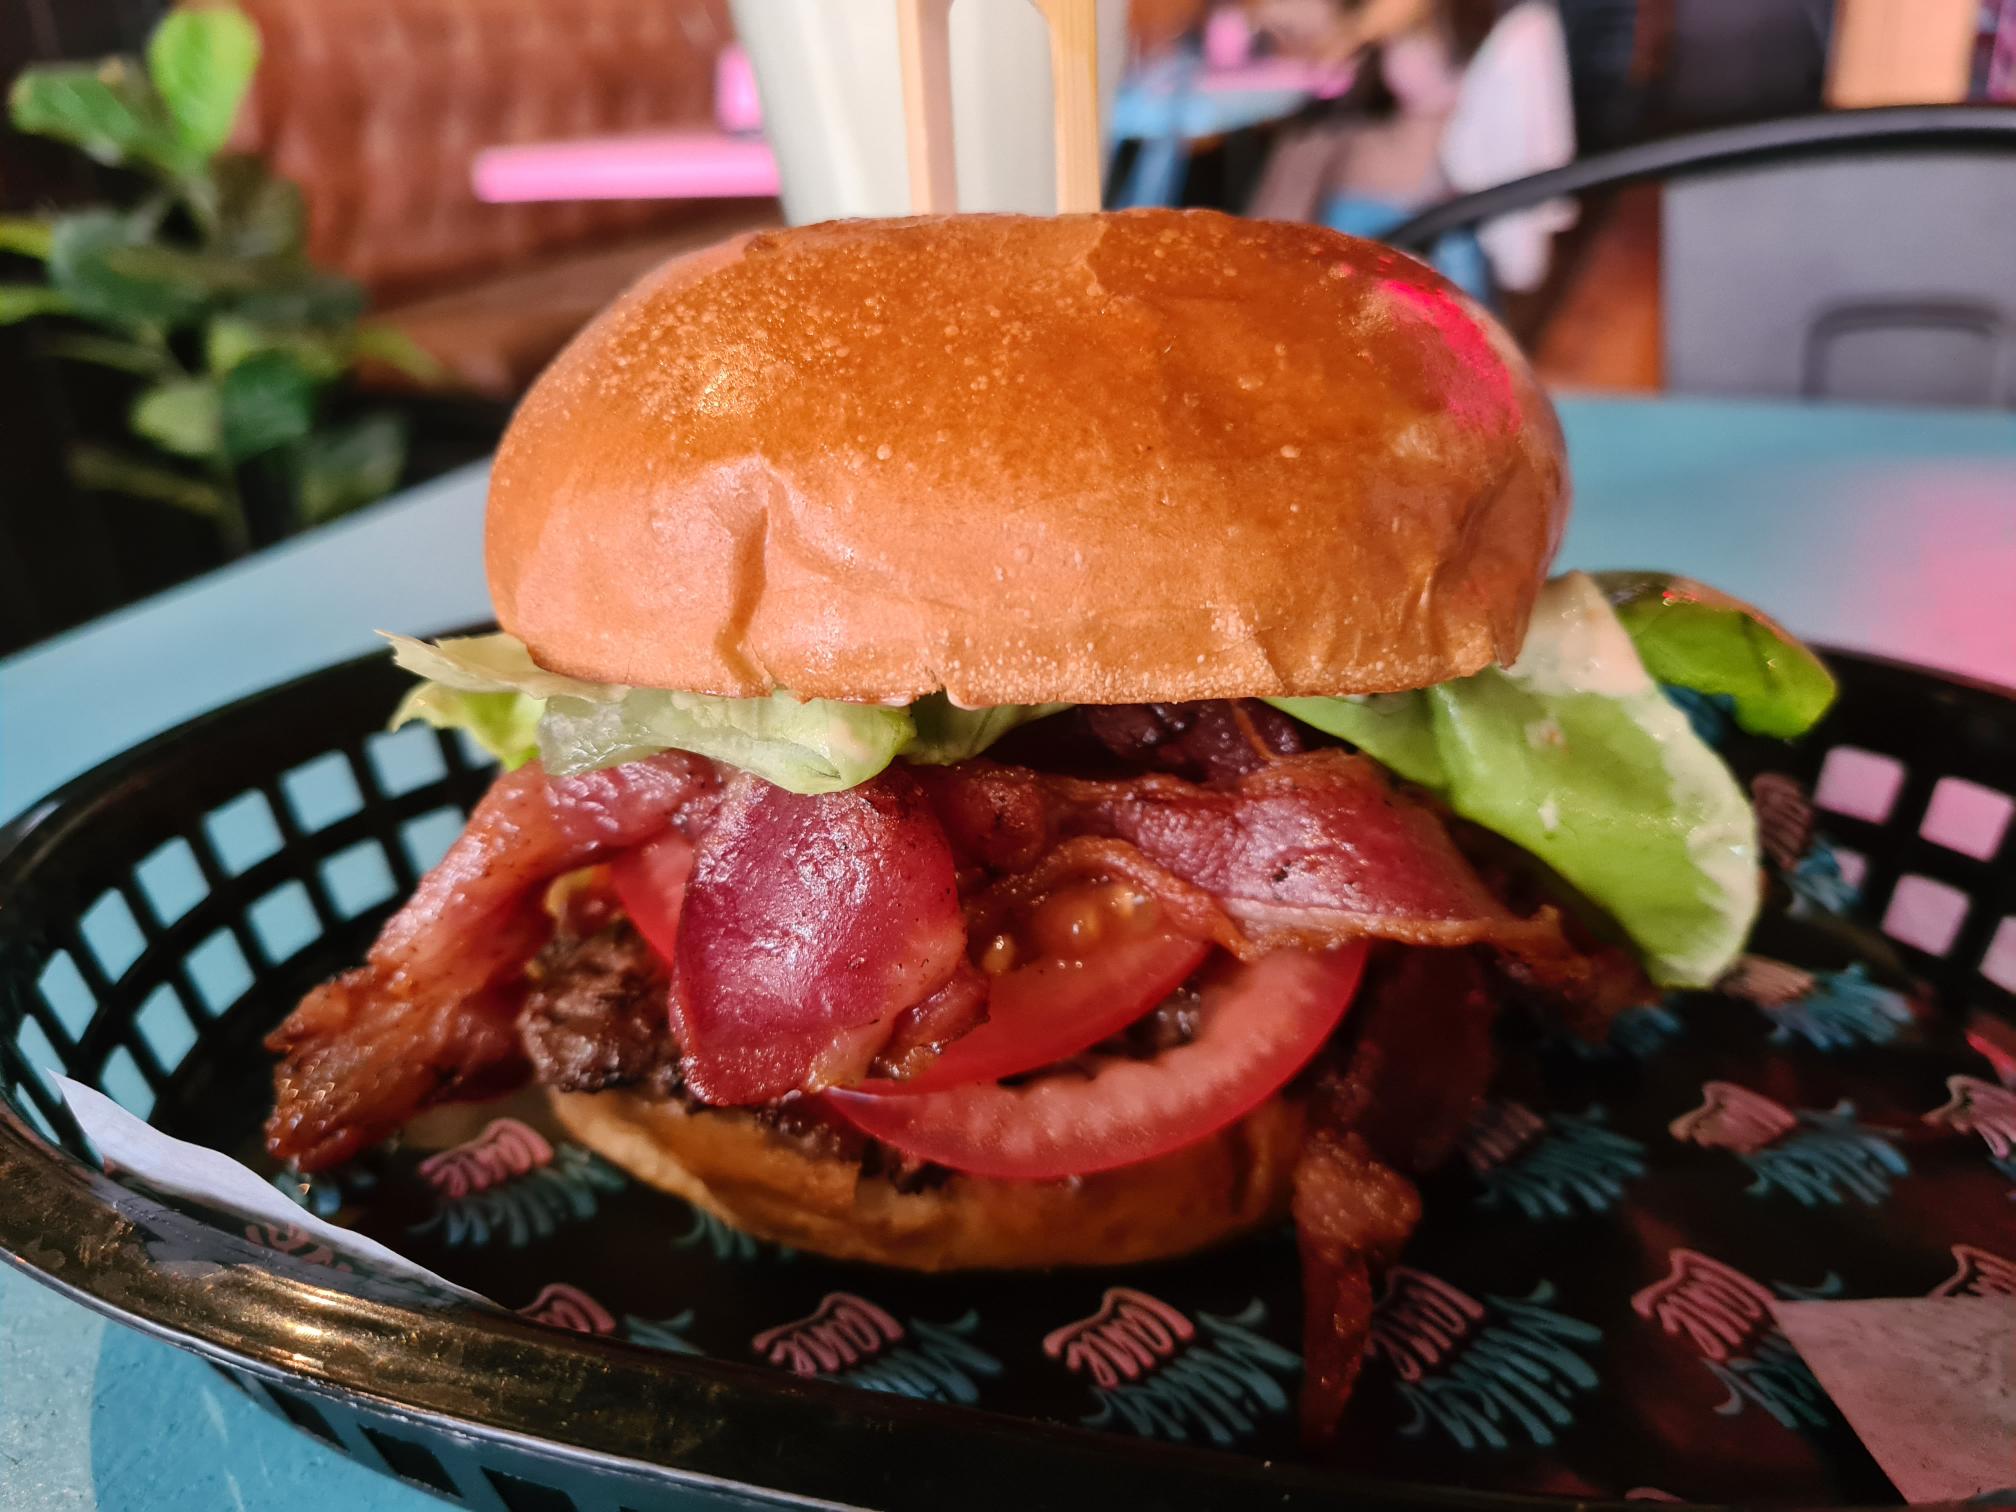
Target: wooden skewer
x,y
1074,89
924,27
927,103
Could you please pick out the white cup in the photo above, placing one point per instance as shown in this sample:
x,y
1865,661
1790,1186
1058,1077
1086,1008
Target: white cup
x,y
832,92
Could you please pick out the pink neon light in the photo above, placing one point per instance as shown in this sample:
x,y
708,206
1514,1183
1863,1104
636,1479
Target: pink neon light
x,y
666,165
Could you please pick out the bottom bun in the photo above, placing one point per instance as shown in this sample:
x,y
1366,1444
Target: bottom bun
x,y
750,1176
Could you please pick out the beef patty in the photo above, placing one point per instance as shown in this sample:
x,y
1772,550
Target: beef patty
x,y
595,1016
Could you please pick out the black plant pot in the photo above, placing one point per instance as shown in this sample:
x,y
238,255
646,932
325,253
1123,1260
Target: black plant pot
x,y
75,553
69,554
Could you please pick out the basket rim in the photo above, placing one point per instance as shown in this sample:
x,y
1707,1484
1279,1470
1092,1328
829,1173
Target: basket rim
x,y
703,1423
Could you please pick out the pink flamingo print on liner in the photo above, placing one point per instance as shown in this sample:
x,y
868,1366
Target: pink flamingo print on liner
x,y
1420,1321
290,1239
1715,1305
1978,1273
562,1306
1765,982
1979,1107
1727,1316
1733,1118
1500,1132
505,1149
1784,817
1127,1338
842,1331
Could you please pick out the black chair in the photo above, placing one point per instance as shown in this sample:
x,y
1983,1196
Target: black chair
x,y
1860,255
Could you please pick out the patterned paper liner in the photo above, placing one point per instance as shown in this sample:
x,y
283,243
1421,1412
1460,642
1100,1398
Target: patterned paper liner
x,y
1585,1310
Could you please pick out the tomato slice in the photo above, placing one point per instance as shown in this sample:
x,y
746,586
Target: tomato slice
x,y
651,881
1257,1026
1050,1010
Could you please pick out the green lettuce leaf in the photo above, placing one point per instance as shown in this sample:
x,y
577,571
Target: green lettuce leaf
x,y
807,746
814,746
504,724
947,733
1694,636
1575,755
516,709
492,664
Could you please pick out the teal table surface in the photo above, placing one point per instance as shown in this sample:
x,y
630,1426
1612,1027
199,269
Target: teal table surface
x,y
1891,531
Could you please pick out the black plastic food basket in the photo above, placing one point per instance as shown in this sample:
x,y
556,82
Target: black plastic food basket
x,y
159,914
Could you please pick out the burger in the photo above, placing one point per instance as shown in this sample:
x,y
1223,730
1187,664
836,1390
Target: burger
x,y
1039,742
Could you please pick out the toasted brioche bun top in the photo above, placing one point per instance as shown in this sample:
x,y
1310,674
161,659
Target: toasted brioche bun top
x,y
1117,458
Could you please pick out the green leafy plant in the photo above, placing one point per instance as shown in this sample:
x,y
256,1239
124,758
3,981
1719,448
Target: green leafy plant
x,y
203,291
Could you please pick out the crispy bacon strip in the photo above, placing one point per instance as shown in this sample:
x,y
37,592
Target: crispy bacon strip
x,y
1352,1216
458,930
996,818
923,1030
810,923
1421,1057
1217,741
429,1016
1306,849
1417,1069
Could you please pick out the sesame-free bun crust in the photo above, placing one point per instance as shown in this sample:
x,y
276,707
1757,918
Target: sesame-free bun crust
x,y
1126,457
743,1172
